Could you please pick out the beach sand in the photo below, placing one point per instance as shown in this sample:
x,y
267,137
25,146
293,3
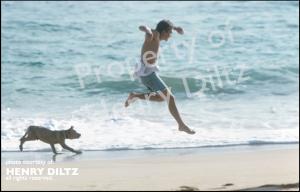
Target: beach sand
x,y
224,169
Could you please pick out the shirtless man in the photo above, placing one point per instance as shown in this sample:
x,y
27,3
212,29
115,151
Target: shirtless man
x,y
147,71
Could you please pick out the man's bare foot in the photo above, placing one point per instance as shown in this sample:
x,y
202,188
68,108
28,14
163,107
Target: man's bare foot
x,y
186,129
130,99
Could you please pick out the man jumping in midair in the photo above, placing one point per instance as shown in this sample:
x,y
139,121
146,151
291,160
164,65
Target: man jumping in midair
x,y
147,71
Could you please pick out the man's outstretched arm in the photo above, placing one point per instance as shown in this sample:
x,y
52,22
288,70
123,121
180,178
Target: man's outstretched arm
x,y
178,30
147,30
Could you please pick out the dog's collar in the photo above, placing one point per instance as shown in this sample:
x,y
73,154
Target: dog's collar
x,y
65,134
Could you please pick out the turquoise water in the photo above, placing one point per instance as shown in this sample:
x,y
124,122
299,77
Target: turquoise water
x,y
66,63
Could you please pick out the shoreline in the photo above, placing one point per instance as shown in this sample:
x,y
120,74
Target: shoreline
x,y
234,168
66,156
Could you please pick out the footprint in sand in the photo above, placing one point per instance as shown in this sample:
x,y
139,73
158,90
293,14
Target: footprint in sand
x,y
188,188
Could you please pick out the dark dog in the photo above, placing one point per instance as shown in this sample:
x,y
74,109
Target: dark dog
x,y
50,137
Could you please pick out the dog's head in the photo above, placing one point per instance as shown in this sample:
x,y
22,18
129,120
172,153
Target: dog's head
x,y
72,134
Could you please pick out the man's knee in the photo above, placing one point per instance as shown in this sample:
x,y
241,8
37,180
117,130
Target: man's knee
x,y
166,95
171,99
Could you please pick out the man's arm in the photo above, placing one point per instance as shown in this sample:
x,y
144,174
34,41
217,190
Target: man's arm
x,y
178,30
147,30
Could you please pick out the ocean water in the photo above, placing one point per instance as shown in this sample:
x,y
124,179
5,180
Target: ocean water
x,y
234,73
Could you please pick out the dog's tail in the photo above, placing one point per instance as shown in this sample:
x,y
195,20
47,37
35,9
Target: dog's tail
x,y
26,133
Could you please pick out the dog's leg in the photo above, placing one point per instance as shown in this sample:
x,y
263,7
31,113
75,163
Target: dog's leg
x,y
23,139
54,157
30,137
53,149
69,148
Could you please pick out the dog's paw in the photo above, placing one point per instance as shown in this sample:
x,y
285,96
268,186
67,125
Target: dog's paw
x,y
21,147
78,152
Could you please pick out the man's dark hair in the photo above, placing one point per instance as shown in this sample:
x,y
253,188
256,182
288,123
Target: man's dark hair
x,y
164,25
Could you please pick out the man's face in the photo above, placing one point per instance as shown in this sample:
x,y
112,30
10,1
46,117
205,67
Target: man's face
x,y
165,35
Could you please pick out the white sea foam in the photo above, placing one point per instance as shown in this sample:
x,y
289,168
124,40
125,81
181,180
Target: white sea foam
x,y
117,132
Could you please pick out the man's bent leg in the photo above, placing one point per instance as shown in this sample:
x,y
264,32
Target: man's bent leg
x,y
144,96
